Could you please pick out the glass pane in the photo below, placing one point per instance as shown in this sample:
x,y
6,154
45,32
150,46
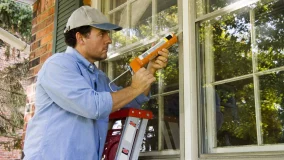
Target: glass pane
x,y
144,22
168,77
141,19
225,44
171,122
272,107
150,141
140,22
170,132
235,113
119,38
207,6
269,24
116,3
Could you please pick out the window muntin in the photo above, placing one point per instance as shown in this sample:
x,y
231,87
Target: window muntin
x,y
252,66
143,22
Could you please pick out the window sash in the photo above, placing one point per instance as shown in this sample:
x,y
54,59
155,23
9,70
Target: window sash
x,y
210,140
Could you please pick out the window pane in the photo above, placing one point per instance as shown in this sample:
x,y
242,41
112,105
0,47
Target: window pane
x,y
150,141
235,113
168,77
139,21
144,22
269,24
207,6
272,107
171,122
225,44
116,3
119,38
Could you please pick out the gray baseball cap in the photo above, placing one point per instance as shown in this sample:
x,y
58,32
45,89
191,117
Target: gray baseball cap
x,y
88,16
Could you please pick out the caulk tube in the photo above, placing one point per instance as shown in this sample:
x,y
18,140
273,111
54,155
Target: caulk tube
x,y
152,53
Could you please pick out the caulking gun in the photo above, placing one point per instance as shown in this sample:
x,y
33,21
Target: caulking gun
x,y
147,56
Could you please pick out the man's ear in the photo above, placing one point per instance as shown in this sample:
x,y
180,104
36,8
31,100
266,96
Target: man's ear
x,y
79,38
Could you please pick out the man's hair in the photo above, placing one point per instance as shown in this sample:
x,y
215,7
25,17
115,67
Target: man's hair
x,y
70,36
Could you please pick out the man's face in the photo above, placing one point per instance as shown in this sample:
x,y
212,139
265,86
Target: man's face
x,y
96,45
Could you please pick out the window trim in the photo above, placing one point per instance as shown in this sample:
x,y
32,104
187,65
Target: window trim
x,y
210,149
188,84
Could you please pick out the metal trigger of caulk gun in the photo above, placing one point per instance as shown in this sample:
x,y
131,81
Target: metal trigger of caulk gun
x,y
128,68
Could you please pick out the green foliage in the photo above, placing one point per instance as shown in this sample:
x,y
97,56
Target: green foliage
x,y
16,18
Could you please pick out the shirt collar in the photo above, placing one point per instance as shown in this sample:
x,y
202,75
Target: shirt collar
x,y
91,67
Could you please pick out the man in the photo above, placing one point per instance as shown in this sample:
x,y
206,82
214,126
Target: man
x,y
73,99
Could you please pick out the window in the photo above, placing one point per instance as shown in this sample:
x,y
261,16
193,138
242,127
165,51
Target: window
x,y
241,51
144,22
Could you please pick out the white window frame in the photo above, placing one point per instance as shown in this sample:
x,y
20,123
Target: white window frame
x,y
249,151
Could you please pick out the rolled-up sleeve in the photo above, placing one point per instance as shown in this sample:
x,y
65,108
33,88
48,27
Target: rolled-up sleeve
x,y
69,90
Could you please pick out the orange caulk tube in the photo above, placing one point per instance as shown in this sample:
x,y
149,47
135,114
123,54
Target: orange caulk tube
x,y
152,53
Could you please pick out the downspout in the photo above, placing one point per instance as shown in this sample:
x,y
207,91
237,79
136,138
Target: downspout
x,y
14,41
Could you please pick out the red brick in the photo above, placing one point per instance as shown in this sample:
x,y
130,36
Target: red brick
x,y
46,30
43,24
32,55
35,45
47,38
35,6
42,17
40,51
51,11
42,5
36,69
34,22
49,47
44,57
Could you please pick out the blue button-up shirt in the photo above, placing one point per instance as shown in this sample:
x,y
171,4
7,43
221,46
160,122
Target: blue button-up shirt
x,y
73,102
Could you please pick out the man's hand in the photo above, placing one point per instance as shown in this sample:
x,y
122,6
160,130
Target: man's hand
x,y
159,62
142,80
